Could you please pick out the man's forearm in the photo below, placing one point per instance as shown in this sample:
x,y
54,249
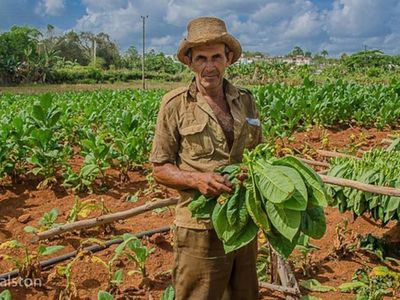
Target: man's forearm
x,y
171,176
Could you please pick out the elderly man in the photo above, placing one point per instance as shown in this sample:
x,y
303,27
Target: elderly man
x,y
200,128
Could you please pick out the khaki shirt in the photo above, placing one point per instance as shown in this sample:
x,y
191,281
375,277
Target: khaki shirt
x,y
189,136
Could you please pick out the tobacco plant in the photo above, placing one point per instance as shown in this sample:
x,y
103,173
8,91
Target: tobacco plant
x,y
70,291
375,284
29,265
46,222
377,167
82,209
282,197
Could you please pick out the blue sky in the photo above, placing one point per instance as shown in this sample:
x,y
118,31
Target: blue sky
x,y
270,26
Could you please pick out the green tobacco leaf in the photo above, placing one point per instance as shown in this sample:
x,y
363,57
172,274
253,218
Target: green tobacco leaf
x,y
286,221
242,209
38,113
201,207
103,295
219,220
230,169
12,244
54,118
232,213
46,101
273,184
232,237
31,229
89,170
313,181
350,286
118,277
132,198
49,250
242,237
297,180
168,294
5,295
298,201
281,244
313,222
393,204
314,285
256,212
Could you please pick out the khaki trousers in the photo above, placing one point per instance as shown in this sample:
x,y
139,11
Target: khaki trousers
x,y
202,270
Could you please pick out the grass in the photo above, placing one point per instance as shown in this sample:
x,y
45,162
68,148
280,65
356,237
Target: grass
x,y
28,89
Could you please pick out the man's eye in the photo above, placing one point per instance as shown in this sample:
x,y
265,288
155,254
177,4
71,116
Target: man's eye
x,y
200,59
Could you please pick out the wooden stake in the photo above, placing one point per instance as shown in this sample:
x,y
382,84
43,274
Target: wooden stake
x,y
279,288
105,219
282,277
386,141
389,191
335,154
314,162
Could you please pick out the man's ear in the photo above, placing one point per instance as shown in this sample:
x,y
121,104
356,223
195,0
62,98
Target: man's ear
x,y
230,58
187,60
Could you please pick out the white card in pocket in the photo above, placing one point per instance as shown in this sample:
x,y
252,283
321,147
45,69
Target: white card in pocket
x,y
254,122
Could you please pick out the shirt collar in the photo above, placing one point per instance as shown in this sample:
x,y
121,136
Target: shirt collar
x,y
231,92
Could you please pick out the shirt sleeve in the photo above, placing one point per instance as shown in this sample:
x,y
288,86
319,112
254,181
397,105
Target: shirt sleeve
x,y
166,139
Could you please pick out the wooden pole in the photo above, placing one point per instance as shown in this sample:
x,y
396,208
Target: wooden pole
x,y
335,154
314,162
105,219
383,190
386,141
143,50
279,288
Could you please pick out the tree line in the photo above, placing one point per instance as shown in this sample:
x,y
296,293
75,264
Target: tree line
x,y
28,55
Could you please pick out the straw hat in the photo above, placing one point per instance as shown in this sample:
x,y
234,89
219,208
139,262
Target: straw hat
x,y
206,30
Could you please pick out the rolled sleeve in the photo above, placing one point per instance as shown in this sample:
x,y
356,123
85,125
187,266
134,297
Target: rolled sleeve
x,y
166,139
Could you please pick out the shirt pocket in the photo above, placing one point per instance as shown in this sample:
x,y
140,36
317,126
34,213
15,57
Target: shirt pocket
x,y
196,141
253,132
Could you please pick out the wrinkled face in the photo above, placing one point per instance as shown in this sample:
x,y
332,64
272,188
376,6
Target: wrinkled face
x,y
209,62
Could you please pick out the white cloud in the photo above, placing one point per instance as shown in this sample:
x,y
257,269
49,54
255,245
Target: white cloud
x,y
50,7
119,23
161,41
271,26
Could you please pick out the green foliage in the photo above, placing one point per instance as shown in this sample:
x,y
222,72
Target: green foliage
x,y
107,128
314,285
370,59
29,265
17,49
168,293
283,197
46,222
286,109
103,295
136,252
376,167
373,284
82,209
5,295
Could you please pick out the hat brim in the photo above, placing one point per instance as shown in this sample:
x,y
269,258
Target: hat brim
x,y
227,39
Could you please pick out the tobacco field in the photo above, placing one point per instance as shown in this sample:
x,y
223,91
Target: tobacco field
x,y
71,156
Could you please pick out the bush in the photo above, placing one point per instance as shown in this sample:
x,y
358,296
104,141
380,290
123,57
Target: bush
x,y
79,74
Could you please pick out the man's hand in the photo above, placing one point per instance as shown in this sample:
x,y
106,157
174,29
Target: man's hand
x,y
210,184
213,184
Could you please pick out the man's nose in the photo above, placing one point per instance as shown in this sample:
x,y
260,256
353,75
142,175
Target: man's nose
x,y
209,64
